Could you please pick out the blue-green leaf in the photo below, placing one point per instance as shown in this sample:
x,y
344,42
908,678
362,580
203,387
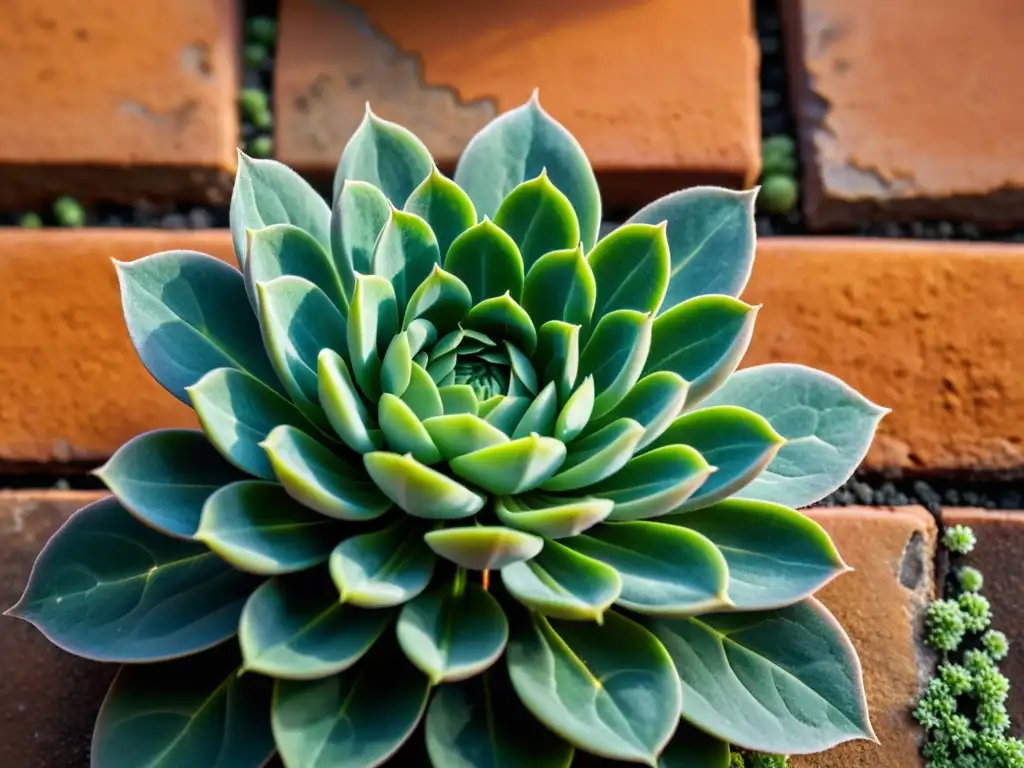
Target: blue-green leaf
x,y
539,218
487,261
630,269
483,547
615,356
108,588
560,286
517,146
653,402
343,405
383,568
511,467
188,314
592,459
711,239
359,214
420,490
503,319
372,323
444,206
692,748
575,414
284,249
827,425
405,254
456,434
404,432
654,483
164,477
557,357
442,299
553,517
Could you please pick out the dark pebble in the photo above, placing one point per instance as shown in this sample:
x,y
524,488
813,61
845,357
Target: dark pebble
x,y
867,490
175,221
200,218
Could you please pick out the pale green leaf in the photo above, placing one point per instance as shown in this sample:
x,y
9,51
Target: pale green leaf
x,y
372,323
615,355
653,484
384,568
343,406
420,490
483,547
654,402
553,517
630,269
405,254
283,249
487,261
461,433
444,206
511,467
539,218
359,214
557,357
592,459
404,432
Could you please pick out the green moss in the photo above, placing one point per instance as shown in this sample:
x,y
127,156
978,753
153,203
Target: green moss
x,y
261,146
779,194
970,579
255,54
261,29
69,212
959,539
31,221
253,102
778,156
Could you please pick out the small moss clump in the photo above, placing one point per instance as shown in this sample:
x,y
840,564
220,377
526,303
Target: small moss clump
x,y
261,29
68,212
261,146
970,579
255,54
31,221
959,539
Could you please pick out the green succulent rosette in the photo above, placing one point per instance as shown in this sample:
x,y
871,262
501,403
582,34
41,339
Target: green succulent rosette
x,y
466,471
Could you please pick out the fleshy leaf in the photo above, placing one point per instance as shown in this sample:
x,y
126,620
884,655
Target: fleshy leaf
x,y
164,477
630,269
404,432
396,368
703,340
383,568
359,214
372,323
615,355
458,399
442,298
692,748
405,254
557,357
654,402
540,416
746,681
654,483
237,413
563,584
420,490
461,433
506,413
257,527
283,249
188,314
422,394
350,719
444,206
609,690
665,570
592,459
812,410
185,713
575,414
318,478
386,155
539,218
483,547
108,588
553,517
267,192
512,467
487,261
517,146
522,368
502,318
560,286
343,406
294,628
452,637
711,239
736,442
776,556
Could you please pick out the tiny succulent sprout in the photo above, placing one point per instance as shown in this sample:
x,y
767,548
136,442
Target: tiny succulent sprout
x,y
779,194
976,610
68,212
946,625
31,220
970,579
995,644
959,539
459,457
778,156
255,54
261,29
253,102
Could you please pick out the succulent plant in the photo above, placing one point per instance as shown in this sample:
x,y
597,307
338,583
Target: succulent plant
x,y
466,471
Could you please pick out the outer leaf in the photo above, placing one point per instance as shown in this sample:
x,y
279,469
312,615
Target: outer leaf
x,y
655,483
511,467
487,261
501,318
560,286
350,719
188,314
403,432
615,356
483,547
259,528
359,214
284,249
185,713
449,637
445,207
563,584
557,357
553,517
372,323
480,724
267,192
405,254
386,155
711,239
442,299
343,406
810,409
665,570
384,568
316,477
631,268
237,412
736,442
692,748
785,681
294,628
461,433
609,689
108,588
420,490
594,458
776,556
539,218
703,340
518,146
163,478
654,403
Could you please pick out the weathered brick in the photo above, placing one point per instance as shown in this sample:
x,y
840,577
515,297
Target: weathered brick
x,y
48,698
999,555
909,109
117,100
660,94
881,606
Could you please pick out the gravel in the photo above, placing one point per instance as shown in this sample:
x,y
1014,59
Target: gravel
x,y
932,494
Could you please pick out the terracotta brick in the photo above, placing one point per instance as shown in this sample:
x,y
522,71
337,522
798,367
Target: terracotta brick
x,y
909,109
660,93
931,330
114,100
71,386
881,606
999,555
48,698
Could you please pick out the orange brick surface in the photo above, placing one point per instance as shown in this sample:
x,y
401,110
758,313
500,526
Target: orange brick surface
x,y
116,100
909,109
658,92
